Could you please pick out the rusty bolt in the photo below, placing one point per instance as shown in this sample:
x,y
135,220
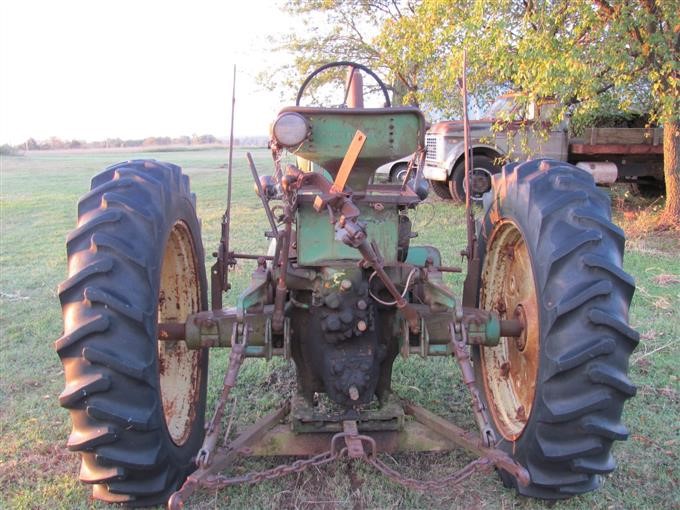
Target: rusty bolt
x,y
353,393
345,285
505,369
521,340
500,306
361,304
362,326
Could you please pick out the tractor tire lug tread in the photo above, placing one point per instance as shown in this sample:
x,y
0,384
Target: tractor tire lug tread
x,y
109,347
583,300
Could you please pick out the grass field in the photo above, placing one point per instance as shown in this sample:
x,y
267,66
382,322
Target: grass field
x,y
38,195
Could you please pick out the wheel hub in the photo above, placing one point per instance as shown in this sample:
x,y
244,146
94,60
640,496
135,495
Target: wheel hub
x,y
510,369
178,367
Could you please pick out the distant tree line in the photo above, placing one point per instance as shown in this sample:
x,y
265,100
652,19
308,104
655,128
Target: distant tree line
x,y
55,143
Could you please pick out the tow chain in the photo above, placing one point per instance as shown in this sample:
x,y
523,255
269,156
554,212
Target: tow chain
x,y
335,453
430,485
219,481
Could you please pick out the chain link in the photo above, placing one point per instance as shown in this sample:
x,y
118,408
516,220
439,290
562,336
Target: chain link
x,y
219,481
429,485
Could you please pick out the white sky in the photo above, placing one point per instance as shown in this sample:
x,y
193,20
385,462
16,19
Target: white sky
x,y
131,69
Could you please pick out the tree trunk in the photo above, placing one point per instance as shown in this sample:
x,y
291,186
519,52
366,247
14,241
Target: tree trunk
x,y
671,170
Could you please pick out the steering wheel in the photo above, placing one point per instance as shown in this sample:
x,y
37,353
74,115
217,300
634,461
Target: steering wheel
x,y
343,63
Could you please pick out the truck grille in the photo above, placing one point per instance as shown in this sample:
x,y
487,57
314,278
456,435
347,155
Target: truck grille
x,y
431,146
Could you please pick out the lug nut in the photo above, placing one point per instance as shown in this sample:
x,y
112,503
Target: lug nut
x,y
505,369
362,326
362,305
353,393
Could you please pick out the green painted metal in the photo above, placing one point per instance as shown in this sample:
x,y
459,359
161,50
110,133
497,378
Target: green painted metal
x,y
418,255
437,293
316,241
390,134
255,294
485,333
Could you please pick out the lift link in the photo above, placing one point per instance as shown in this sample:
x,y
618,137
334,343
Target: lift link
x,y
214,427
460,350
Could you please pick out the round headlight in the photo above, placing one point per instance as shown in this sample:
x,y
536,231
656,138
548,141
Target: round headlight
x,y
290,129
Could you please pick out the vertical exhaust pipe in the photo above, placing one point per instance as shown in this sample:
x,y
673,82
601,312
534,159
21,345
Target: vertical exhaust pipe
x,y
354,86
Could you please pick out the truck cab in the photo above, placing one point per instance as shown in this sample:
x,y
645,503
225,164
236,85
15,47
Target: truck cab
x,y
506,131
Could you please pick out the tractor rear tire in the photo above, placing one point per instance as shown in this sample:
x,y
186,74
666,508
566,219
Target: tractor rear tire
x,y
441,189
137,405
552,257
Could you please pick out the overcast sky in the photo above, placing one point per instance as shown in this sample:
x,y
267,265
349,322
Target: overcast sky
x,y
131,69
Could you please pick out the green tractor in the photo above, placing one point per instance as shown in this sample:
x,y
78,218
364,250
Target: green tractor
x,y
540,334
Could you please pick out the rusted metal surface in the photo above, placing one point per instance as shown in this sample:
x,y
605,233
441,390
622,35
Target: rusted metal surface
x,y
614,149
261,439
414,437
281,289
510,370
171,331
354,89
471,252
219,272
250,256
450,269
261,194
468,441
462,354
355,445
179,368
226,456
236,357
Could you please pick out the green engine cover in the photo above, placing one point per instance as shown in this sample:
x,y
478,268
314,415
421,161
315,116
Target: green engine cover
x,y
391,133
317,246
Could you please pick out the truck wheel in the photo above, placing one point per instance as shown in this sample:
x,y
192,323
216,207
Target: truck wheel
x,y
398,173
441,189
481,176
137,405
552,257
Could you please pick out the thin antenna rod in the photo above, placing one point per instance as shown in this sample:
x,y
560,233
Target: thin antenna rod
x,y
231,151
471,252
466,134
220,270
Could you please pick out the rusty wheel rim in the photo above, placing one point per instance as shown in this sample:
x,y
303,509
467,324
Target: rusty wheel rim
x,y
179,367
510,369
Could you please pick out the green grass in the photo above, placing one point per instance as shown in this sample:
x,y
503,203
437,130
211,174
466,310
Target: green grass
x,y
38,195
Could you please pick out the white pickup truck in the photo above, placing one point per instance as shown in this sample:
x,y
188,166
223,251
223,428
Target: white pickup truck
x,y
609,154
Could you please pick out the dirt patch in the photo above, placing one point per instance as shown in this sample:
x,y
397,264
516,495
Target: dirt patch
x,y
355,483
664,280
38,464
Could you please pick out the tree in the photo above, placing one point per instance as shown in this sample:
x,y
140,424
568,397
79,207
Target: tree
x,y
580,52
592,55
642,43
336,30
